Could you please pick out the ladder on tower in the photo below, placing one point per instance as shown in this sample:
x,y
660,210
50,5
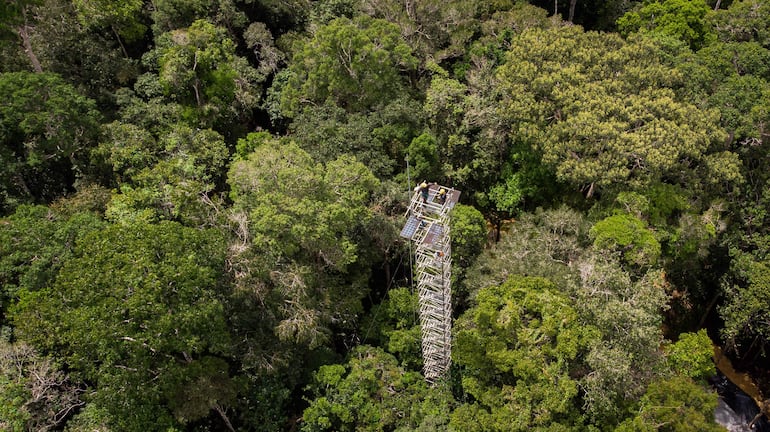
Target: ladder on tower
x,y
427,225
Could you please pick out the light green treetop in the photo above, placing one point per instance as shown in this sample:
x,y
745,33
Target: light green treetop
x,y
122,17
687,20
601,110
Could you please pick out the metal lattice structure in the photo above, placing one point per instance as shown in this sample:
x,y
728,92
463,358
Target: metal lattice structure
x,y
427,226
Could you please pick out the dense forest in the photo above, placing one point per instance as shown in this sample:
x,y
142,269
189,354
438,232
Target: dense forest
x,y
200,203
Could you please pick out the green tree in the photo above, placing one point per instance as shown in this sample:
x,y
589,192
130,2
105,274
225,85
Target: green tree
x,y
518,347
46,131
356,64
665,226
472,145
372,393
744,21
746,304
194,76
743,99
34,393
622,309
393,324
498,175
121,17
540,244
127,149
170,15
674,405
433,29
687,20
570,112
35,242
90,59
198,67
628,235
692,356
170,179
262,43
731,77
194,63
15,18
626,309
157,293
424,157
324,11
299,225
146,106
469,234
736,98
621,147
378,139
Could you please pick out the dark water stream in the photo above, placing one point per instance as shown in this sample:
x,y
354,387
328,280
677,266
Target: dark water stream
x,y
738,408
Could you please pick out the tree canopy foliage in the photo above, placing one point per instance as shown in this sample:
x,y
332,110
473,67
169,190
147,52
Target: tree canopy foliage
x,y
156,292
200,207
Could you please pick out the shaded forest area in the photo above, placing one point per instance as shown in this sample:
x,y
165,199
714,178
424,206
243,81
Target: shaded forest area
x,y
200,203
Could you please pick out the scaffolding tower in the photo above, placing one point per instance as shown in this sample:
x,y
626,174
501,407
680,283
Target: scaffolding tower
x,y
427,226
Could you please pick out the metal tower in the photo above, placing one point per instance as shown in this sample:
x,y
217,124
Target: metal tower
x,y
427,226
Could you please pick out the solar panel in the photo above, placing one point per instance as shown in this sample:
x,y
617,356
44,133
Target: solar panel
x,y
410,227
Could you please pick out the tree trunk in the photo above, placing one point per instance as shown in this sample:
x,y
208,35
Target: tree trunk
x,y
572,4
555,7
19,180
716,6
710,306
120,41
387,275
222,414
23,31
24,35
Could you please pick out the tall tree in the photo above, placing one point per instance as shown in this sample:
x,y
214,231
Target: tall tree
x,y
598,127
437,30
687,20
518,346
172,178
15,18
474,149
89,59
372,393
355,63
378,139
743,21
35,394
300,225
46,132
746,310
621,309
674,404
35,242
198,68
122,18
157,293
